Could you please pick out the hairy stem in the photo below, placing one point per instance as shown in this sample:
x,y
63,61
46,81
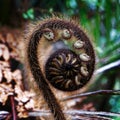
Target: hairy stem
x,y
41,81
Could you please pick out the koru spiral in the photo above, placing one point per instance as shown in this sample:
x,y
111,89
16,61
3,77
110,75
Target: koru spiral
x,y
68,62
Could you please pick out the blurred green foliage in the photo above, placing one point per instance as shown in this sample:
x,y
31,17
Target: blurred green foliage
x,y
29,14
101,19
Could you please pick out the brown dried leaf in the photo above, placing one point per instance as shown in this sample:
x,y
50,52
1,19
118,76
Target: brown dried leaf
x,y
3,97
4,52
18,91
1,52
6,87
4,64
20,95
23,96
10,39
8,75
2,39
30,105
17,76
5,91
1,76
23,114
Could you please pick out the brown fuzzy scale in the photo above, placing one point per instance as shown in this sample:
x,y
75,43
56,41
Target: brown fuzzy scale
x,y
36,68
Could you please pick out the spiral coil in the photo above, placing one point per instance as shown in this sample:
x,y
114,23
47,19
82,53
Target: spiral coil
x,y
61,55
70,67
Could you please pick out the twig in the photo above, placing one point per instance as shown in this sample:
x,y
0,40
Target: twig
x,y
107,67
3,114
88,117
76,112
98,118
14,114
98,92
93,113
39,113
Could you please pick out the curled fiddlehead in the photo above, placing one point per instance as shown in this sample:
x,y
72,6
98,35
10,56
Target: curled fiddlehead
x,y
61,55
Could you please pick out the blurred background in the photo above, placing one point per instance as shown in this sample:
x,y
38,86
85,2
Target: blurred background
x,y
101,20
